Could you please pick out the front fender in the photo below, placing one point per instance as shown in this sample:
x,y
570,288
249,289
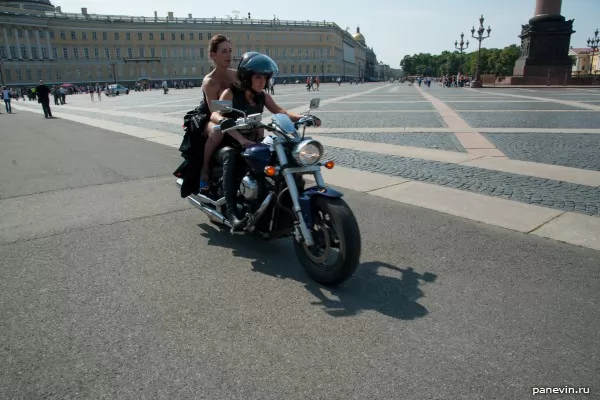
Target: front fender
x,y
306,201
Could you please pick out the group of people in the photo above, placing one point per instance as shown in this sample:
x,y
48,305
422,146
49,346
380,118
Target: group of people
x,y
247,88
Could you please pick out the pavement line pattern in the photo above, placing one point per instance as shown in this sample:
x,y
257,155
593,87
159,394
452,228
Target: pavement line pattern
x,y
538,170
548,99
473,141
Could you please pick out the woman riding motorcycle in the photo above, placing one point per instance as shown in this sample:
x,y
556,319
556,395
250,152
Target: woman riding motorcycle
x,y
254,72
202,142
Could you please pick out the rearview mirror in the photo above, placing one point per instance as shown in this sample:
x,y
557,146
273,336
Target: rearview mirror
x,y
221,105
314,103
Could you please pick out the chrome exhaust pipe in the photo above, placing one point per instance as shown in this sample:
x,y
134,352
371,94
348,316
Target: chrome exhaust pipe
x,y
207,200
261,210
210,213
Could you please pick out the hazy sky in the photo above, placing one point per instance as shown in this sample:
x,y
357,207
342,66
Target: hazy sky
x,y
393,28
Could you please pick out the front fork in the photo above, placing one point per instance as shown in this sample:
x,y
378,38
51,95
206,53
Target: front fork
x,y
288,175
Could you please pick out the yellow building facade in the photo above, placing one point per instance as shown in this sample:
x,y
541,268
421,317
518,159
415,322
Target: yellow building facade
x,y
38,41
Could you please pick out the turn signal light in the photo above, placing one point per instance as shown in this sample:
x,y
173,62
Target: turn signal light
x,y
270,170
329,164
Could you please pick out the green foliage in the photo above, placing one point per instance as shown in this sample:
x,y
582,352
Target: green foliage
x,y
493,61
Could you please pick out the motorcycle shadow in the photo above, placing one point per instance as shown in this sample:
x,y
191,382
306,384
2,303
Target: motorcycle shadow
x,y
376,286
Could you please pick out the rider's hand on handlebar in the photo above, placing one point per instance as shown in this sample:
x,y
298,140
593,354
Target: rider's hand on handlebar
x,y
227,123
315,121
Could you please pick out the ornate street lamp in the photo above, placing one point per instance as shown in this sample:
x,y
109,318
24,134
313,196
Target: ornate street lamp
x,y
593,44
480,38
462,48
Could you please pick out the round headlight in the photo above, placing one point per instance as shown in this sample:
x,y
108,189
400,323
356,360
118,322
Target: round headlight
x,y
308,153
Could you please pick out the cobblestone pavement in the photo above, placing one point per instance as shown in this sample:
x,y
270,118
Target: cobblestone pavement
x,y
571,150
440,141
545,192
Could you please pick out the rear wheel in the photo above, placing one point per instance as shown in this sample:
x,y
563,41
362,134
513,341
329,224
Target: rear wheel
x,y
336,253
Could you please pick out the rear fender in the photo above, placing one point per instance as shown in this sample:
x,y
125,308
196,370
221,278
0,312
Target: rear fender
x,y
306,201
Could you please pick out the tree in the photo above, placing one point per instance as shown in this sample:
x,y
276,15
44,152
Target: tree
x,y
493,61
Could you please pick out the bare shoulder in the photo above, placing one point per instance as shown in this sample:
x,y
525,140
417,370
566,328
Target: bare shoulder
x,y
208,81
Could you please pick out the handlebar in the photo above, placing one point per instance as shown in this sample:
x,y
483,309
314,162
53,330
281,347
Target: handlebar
x,y
243,123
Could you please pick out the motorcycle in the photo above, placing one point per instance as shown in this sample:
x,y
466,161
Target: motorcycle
x,y
273,198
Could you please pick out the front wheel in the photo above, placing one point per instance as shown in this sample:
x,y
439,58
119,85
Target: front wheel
x,y
336,253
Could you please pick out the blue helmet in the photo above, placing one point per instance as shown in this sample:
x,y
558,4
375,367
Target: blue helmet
x,y
255,63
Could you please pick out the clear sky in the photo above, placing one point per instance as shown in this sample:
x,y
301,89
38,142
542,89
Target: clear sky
x,y
393,28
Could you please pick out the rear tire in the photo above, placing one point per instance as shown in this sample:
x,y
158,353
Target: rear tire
x,y
337,231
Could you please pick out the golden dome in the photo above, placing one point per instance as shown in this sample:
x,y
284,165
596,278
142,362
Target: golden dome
x,y
359,36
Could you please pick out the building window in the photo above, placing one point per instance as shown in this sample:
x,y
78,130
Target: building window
x,y
116,35
118,53
140,36
300,69
292,69
239,52
2,55
13,52
209,35
202,53
193,70
34,53
86,53
182,36
127,36
104,35
94,36
41,34
28,74
106,53
99,73
40,74
151,36
200,36
76,54
141,50
328,68
65,53
63,35
172,36
19,76
162,36
54,52
23,51
44,53
130,52
58,76
84,35
191,36
314,69
152,52
73,36
96,54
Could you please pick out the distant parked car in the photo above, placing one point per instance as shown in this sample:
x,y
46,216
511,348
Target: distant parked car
x,y
116,90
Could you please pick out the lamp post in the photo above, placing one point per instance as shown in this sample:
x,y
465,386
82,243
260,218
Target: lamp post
x,y
480,38
593,44
462,48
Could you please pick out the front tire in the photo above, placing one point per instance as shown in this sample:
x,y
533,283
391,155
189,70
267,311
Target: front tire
x,y
335,228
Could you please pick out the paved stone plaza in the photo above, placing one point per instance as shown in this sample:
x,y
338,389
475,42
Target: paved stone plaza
x,y
479,274
416,134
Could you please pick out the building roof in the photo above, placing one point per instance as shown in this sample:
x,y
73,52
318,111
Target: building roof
x,y
581,50
28,4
